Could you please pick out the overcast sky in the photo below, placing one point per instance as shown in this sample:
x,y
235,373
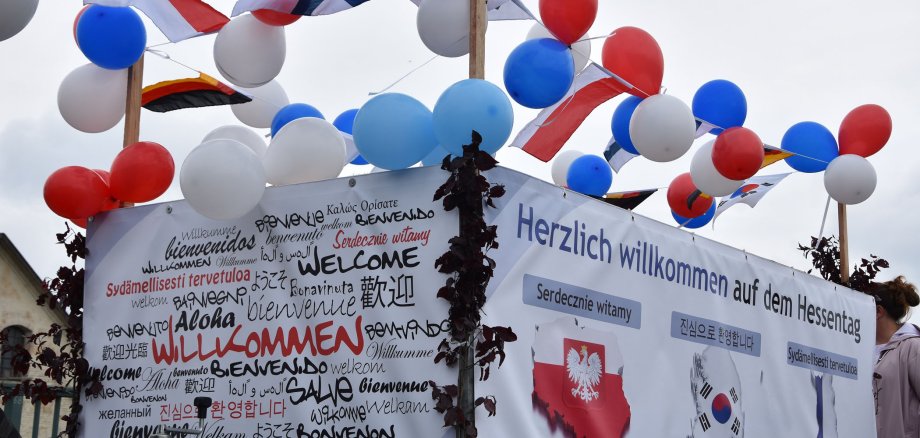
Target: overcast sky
x,y
795,61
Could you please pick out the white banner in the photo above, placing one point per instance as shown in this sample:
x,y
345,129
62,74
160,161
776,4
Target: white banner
x,y
316,316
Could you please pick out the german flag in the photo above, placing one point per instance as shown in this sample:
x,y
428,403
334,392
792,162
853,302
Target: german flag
x,y
772,154
628,200
189,93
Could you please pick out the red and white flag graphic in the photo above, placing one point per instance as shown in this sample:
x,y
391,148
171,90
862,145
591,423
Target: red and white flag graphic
x,y
544,136
577,375
177,19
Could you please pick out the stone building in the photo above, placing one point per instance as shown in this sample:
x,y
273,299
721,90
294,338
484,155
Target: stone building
x,y
20,286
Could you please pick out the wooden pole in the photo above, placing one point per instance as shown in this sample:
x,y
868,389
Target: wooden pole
x,y
466,378
133,107
844,243
477,39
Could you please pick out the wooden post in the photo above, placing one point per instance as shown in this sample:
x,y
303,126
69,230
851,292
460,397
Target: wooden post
x,y
477,39
466,378
133,108
844,243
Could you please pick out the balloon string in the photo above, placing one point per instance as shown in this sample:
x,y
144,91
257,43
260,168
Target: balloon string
x,y
824,219
166,56
374,93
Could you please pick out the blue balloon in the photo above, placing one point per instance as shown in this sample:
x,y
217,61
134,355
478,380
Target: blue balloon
x,y
696,222
721,103
590,174
436,157
292,112
473,105
539,72
345,121
394,131
815,145
620,123
111,37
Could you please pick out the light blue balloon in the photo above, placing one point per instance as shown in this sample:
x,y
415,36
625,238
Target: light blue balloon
x,y
111,37
696,222
394,131
590,175
815,145
619,125
539,72
436,157
473,105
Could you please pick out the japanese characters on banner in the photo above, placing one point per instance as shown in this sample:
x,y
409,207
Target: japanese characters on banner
x,y
313,316
629,327
316,316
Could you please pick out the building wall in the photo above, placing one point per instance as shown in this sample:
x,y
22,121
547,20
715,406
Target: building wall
x,y
18,292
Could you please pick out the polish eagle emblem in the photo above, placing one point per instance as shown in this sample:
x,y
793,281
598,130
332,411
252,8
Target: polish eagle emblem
x,y
585,372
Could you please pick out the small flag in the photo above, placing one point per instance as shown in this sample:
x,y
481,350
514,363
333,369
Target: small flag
x,y
189,93
702,127
351,151
616,156
629,200
297,7
825,412
751,192
772,154
717,395
578,379
544,136
177,19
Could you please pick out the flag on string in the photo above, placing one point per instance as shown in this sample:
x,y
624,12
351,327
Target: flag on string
x,y
351,151
750,193
716,390
616,156
297,7
177,19
578,379
500,10
544,136
629,200
772,154
197,92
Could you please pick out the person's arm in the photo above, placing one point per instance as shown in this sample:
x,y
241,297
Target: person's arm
x,y
911,360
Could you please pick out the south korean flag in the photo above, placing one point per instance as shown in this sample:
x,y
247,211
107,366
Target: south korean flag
x,y
717,395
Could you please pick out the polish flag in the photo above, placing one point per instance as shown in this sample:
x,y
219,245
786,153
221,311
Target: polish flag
x,y
177,19
544,136
717,395
577,375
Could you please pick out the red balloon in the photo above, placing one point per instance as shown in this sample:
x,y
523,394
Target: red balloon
x,y
75,21
274,18
81,222
111,203
632,54
737,153
75,192
864,131
568,20
141,172
685,199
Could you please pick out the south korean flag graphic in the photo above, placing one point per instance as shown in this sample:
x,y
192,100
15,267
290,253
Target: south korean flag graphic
x,y
717,395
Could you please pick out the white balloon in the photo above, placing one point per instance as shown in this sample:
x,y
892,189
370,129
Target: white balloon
x,y
706,177
561,164
850,179
581,50
246,136
306,149
92,99
249,53
444,26
15,15
267,100
222,179
662,128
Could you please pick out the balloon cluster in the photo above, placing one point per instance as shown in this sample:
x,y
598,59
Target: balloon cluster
x,y
141,172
